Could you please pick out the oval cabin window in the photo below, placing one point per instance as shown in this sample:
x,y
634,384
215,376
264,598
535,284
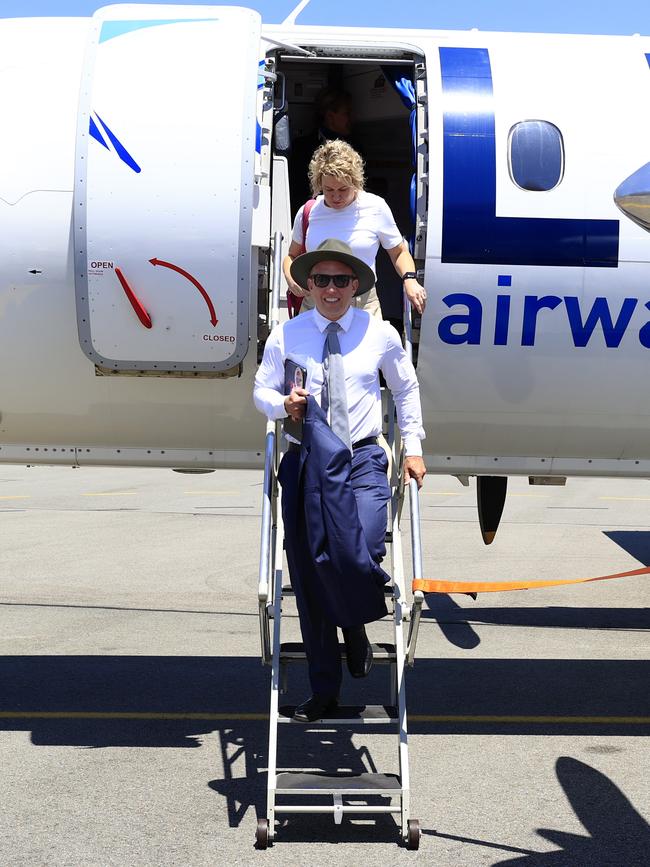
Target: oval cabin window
x,y
536,155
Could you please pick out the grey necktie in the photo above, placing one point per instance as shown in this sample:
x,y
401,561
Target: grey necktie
x,y
334,394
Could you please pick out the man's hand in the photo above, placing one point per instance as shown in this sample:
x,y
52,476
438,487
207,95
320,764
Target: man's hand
x,y
414,469
295,404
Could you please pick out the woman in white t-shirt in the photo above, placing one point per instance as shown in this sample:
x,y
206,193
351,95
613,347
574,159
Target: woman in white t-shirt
x,y
344,210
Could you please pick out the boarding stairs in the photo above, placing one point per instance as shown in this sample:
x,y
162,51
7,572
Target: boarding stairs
x,y
338,793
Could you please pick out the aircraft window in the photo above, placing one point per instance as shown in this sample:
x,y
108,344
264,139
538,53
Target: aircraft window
x,y
536,155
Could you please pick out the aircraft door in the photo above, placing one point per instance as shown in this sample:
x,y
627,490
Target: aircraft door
x,y
165,188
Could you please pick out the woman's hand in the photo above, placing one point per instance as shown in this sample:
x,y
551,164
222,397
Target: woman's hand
x,y
294,250
404,264
416,294
295,289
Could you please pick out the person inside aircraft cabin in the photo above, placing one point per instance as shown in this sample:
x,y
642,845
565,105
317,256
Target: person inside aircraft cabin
x,y
344,210
333,113
334,486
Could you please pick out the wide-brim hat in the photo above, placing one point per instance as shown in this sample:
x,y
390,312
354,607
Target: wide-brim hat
x,y
337,251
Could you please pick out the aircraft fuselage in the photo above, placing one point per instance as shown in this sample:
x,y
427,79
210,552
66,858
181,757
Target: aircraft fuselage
x,y
141,195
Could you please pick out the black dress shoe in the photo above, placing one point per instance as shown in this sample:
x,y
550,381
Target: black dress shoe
x,y
316,707
358,651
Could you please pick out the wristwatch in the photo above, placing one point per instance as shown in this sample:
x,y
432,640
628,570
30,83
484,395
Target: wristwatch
x,y
410,275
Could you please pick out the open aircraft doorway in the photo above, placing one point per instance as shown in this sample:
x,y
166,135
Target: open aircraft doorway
x,y
385,94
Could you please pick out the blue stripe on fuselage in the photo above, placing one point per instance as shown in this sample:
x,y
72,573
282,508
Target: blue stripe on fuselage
x,y
95,133
112,29
471,231
121,151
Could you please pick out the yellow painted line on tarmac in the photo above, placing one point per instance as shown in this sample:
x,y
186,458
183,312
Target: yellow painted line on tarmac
x,y
16,497
562,720
532,496
56,714
433,718
211,493
634,499
111,494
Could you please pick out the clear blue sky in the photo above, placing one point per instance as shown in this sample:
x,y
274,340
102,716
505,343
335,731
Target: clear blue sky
x,y
556,16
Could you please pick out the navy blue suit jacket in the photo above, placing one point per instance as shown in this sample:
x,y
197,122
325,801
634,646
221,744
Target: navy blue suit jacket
x,y
351,583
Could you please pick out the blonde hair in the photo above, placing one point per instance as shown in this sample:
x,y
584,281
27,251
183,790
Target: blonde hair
x,y
339,159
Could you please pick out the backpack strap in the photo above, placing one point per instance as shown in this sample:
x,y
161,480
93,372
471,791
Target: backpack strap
x,y
294,303
306,211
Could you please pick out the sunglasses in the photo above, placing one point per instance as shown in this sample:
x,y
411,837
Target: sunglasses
x,y
322,281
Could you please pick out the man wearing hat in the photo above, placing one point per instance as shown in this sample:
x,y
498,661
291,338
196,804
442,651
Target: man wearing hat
x,y
342,348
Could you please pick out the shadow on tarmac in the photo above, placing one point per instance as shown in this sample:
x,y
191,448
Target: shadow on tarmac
x,y
618,836
77,701
635,542
243,750
86,700
455,620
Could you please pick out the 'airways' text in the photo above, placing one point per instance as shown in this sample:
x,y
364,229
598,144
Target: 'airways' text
x,y
467,326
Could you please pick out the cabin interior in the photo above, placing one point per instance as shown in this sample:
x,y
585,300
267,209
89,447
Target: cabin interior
x,y
381,132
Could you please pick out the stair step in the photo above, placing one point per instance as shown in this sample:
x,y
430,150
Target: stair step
x,y
365,714
382,652
320,783
287,590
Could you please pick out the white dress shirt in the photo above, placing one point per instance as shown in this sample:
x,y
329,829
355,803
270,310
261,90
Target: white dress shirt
x,y
367,346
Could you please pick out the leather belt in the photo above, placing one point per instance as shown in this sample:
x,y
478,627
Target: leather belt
x,y
368,441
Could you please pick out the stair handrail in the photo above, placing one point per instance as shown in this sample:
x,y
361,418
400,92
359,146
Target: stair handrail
x,y
264,587
414,508
416,556
267,553
274,303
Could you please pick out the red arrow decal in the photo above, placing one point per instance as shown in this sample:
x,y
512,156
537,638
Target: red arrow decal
x,y
208,300
137,305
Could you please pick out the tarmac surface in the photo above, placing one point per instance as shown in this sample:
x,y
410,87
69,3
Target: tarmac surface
x,y
133,702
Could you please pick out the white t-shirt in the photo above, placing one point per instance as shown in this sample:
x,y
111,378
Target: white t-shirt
x,y
364,224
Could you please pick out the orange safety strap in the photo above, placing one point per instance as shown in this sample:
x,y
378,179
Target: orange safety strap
x,y
428,585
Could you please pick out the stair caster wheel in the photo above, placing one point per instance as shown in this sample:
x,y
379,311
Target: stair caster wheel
x,y
413,834
262,838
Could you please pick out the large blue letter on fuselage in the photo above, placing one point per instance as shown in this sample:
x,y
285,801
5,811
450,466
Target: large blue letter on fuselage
x,y
471,231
